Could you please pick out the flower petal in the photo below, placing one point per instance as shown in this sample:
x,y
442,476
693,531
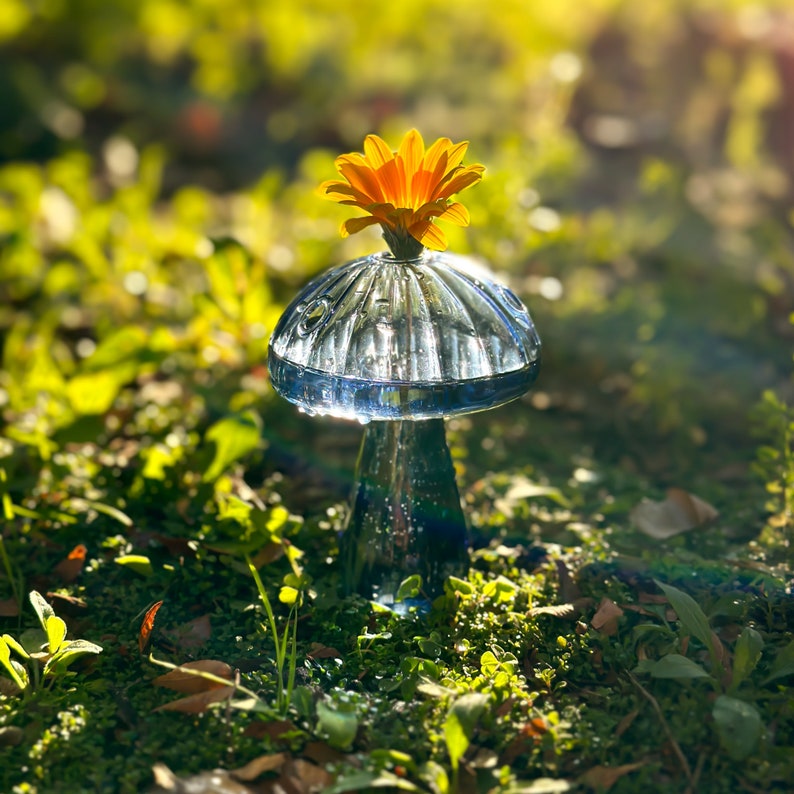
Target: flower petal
x,y
456,213
353,225
463,178
431,237
435,153
362,178
411,152
392,183
377,151
455,154
344,194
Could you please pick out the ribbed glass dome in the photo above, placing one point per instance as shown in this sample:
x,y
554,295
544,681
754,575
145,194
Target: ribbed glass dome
x,y
379,338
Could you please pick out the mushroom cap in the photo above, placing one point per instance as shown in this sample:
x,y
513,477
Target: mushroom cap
x,y
384,339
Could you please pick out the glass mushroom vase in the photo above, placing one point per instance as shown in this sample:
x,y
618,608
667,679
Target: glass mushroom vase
x,y
400,344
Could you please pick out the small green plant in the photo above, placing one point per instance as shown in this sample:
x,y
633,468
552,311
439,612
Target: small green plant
x,y
45,652
737,722
285,644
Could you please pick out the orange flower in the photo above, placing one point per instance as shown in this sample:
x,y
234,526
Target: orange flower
x,y
405,191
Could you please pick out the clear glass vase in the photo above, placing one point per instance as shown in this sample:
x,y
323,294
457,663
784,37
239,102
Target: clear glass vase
x,y
400,345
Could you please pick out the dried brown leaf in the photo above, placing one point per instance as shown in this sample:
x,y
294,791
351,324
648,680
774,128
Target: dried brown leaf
x,y
198,703
258,729
320,651
180,680
218,781
313,778
602,778
322,753
264,763
679,512
70,568
606,617
191,635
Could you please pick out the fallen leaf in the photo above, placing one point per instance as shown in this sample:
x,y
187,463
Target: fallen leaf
x,y
320,651
264,763
193,634
147,626
602,778
188,683
178,547
66,604
69,569
523,488
218,781
680,512
259,729
322,753
606,617
198,703
311,777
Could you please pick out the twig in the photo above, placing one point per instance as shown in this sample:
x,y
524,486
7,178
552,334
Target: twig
x,y
676,747
692,787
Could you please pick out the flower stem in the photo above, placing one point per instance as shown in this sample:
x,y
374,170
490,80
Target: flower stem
x,y
402,246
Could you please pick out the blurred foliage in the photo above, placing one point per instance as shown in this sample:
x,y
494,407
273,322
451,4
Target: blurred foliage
x,y
158,167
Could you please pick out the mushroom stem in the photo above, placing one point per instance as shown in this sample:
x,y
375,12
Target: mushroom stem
x,y
406,514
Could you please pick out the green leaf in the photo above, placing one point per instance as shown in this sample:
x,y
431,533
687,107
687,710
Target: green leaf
x,y
489,664
12,667
42,608
340,726
738,724
69,652
783,665
409,588
93,393
288,595
692,617
461,720
136,562
746,655
461,586
234,437
56,633
15,646
35,643
673,666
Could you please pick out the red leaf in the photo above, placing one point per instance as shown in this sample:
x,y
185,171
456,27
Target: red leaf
x,y
145,634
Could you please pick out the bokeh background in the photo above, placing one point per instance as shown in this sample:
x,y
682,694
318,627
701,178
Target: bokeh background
x,y
160,160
